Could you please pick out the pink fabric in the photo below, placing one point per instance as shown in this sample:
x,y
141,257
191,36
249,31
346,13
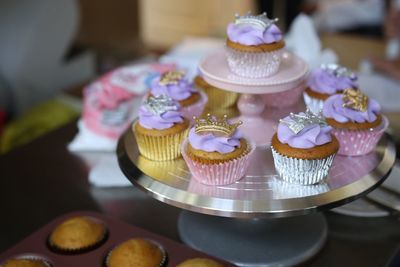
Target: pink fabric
x,y
221,173
284,99
357,143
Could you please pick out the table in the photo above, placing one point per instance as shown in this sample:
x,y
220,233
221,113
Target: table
x,y
42,180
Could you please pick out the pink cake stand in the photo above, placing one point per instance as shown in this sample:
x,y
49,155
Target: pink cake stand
x,y
257,126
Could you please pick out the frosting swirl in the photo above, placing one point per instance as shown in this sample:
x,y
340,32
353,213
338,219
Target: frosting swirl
x,y
179,91
211,143
326,82
310,136
333,108
247,34
150,120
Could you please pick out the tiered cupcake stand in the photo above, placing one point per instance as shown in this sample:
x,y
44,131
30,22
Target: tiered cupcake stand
x,y
260,220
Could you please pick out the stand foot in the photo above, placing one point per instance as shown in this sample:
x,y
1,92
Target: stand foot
x,y
255,242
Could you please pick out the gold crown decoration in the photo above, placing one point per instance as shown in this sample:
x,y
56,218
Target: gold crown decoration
x,y
300,121
339,71
355,99
260,21
211,124
171,77
160,104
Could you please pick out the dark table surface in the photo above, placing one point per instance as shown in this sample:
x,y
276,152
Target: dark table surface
x,y
43,180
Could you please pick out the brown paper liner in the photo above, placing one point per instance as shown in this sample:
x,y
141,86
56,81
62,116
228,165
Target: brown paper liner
x,y
163,262
59,250
160,147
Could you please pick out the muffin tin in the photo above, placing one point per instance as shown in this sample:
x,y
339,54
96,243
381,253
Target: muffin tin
x,y
35,245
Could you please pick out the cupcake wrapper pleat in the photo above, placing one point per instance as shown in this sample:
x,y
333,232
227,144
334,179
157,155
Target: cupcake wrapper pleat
x,y
220,99
357,142
314,104
219,173
302,171
160,147
253,64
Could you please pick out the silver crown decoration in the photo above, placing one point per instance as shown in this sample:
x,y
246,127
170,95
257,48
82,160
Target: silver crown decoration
x,y
300,121
260,21
339,71
160,104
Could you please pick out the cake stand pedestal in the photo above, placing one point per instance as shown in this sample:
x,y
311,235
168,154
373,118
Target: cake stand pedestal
x,y
257,126
264,227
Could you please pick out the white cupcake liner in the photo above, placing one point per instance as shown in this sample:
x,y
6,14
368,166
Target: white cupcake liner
x,y
314,104
359,142
219,173
302,171
253,64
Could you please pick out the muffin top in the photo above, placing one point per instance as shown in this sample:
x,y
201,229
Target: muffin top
x,y
25,263
77,233
351,106
199,262
173,84
138,252
159,113
254,30
328,79
304,130
214,135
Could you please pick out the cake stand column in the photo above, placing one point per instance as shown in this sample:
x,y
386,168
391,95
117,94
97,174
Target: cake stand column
x,y
254,126
255,242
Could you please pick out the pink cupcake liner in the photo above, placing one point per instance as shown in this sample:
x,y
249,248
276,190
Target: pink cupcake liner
x,y
359,142
284,99
220,173
196,109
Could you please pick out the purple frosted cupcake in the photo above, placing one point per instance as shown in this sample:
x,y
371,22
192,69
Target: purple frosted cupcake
x,y
303,148
325,81
254,46
215,151
357,122
176,86
160,129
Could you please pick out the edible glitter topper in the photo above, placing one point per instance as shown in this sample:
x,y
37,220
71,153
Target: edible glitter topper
x,y
300,121
355,99
160,104
260,21
171,77
219,127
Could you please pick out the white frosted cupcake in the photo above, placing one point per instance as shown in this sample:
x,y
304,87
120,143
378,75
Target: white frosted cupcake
x,y
254,46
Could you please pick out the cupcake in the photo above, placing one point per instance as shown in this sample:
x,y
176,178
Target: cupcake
x,y
356,121
77,235
176,86
326,81
215,151
160,129
138,252
217,98
303,148
254,46
25,263
199,262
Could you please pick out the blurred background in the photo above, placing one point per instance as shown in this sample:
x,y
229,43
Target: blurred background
x,y
50,49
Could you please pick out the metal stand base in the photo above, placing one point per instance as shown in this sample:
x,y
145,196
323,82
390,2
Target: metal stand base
x,y
255,242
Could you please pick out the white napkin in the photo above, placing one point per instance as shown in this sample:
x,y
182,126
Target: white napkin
x,y
302,39
382,88
188,53
106,172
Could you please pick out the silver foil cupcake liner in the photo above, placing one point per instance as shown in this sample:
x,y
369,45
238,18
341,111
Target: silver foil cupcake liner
x,y
314,104
253,64
302,171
